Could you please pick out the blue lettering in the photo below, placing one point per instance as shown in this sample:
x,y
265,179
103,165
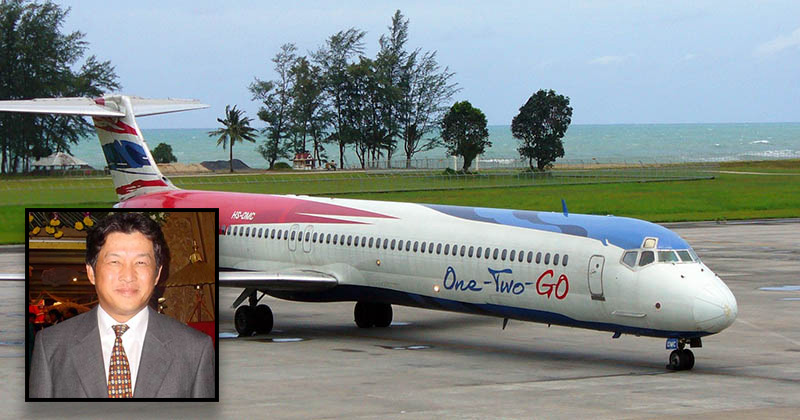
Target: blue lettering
x,y
451,282
503,286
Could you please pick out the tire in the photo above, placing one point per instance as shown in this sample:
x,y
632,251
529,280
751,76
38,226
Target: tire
x,y
687,360
363,315
244,321
675,360
382,315
264,319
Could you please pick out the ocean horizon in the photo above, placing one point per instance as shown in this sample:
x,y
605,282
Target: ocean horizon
x,y
695,142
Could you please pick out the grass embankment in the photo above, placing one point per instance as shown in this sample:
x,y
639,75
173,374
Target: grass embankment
x,y
728,196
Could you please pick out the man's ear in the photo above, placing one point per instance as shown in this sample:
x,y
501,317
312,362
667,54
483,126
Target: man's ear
x,y
90,273
158,275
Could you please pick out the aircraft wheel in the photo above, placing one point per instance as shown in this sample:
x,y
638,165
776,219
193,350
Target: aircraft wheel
x,y
263,318
382,314
245,320
687,360
675,360
363,315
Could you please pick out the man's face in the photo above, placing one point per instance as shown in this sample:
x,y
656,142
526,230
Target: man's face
x,y
125,274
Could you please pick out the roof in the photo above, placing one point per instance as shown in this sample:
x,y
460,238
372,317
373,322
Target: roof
x,y
60,159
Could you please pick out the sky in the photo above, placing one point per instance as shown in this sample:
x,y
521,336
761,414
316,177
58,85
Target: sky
x,y
618,61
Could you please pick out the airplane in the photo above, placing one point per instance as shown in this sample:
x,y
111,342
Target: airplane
x,y
606,273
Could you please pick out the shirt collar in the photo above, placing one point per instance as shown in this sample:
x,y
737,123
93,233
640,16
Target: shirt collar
x,y
105,321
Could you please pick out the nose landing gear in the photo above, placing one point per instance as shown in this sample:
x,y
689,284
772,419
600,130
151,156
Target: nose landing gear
x,y
681,358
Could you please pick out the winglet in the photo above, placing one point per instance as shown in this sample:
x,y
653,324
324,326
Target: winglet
x,y
564,208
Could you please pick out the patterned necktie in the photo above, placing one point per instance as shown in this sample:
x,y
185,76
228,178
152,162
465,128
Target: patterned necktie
x,y
119,373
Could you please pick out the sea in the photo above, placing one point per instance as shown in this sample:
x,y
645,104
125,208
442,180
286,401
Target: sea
x,y
612,143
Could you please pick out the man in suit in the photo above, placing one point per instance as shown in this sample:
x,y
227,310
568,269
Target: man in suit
x,y
122,347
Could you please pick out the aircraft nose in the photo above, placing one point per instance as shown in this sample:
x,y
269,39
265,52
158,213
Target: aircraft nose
x,y
713,312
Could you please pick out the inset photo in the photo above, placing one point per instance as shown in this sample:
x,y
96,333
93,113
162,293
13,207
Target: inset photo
x,y
122,303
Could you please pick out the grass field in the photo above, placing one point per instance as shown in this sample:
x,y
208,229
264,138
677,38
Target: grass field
x,y
609,191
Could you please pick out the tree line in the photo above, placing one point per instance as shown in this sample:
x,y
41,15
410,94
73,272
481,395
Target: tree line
x,y
381,106
38,61
393,103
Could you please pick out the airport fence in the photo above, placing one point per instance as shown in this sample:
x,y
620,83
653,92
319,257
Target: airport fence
x,y
64,191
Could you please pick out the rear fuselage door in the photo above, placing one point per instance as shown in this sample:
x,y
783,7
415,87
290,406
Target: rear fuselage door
x,y
596,264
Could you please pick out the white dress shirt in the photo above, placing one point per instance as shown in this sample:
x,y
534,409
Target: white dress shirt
x,y
132,339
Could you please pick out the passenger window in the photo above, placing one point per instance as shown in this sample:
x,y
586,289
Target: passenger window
x,y
422,247
294,233
328,238
350,240
564,260
416,246
364,241
260,231
314,238
447,249
394,242
272,234
479,252
385,244
247,231
530,256
547,258
471,249
685,256
285,235
280,234
430,248
555,259
538,258
521,255
371,241
487,252
408,245
463,250
647,258
496,253
513,254
629,258
503,255
308,236
455,249
438,249
400,245
336,239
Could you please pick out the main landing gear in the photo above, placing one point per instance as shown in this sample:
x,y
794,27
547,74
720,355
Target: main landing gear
x,y
682,358
253,318
371,314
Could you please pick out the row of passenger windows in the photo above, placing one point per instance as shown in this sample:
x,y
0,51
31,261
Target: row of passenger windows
x,y
398,244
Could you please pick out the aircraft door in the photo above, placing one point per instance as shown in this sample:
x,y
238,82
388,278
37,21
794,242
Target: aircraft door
x,y
292,240
596,264
307,233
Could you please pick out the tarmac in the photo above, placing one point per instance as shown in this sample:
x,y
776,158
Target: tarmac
x,y
428,364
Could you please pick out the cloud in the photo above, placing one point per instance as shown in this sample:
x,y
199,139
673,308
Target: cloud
x,y
778,44
609,59
688,57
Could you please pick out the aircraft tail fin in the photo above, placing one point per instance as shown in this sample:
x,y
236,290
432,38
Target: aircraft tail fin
x,y
133,169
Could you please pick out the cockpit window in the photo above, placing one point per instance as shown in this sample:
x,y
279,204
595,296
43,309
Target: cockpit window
x,y
647,258
667,256
685,256
629,258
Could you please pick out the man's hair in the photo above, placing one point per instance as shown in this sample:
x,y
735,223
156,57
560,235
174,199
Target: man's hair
x,y
126,223
55,313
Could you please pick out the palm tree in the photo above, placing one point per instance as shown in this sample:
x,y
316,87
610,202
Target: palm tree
x,y
236,128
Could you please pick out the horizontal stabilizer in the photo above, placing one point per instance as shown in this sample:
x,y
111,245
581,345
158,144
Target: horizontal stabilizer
x,y
100,107
296,281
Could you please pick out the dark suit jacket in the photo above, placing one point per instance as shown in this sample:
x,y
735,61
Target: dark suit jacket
x,y
177,361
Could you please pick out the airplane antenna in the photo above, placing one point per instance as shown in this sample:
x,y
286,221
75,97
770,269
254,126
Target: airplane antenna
x,y
505,322
564,208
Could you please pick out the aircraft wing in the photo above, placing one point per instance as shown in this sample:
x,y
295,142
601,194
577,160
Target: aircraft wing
x,y
289,281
